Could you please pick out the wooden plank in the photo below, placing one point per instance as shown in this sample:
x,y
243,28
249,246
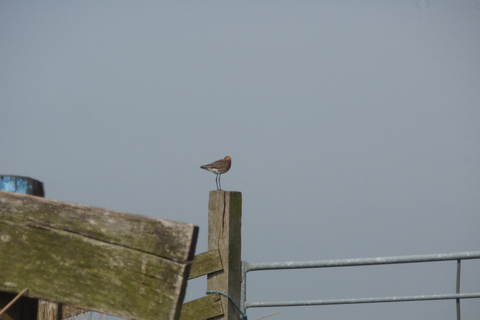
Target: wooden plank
x,y
161,237
224,234
205,263
69,311
49,311
204,308
105,260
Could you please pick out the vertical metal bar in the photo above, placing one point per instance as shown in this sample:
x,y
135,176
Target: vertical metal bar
x,y
243,289
458,287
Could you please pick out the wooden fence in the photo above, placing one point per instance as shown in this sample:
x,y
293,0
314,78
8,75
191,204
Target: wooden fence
x,y
120,241
79,256
96,259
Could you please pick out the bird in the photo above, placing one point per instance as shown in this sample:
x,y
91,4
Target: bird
x,y
219,167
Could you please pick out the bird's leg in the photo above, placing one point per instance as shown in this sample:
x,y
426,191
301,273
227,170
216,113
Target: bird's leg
x,y
219,176
216,181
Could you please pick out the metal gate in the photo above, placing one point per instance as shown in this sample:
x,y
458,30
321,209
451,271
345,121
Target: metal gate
x,y
459,256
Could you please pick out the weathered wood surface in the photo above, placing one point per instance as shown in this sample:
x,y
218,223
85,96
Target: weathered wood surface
x,y
55,311
224,234
49,311
205,263
207,307
105,260
69,311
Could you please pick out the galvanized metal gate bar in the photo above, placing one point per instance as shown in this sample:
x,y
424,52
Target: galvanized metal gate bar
x,y
249,266
362,300
253,266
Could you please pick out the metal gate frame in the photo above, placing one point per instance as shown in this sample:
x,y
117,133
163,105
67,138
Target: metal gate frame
x,y
459,256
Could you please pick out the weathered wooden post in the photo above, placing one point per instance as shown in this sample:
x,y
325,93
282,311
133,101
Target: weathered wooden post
x,y
224,234
25,308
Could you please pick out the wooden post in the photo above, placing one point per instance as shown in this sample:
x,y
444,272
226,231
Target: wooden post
x,y
25,308
224,234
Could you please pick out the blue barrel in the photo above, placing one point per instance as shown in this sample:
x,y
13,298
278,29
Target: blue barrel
x,y
23,185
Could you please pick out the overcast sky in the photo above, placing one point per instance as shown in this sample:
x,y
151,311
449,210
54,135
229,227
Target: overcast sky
x,y
353,127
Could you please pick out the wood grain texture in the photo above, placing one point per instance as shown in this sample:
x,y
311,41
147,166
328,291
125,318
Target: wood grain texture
x,y
207,307
161,237
105,260
224,234
205,263
69,311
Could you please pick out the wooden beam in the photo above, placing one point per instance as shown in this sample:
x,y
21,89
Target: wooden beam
x,y
224,234
205,263
49,310
207,307
69,311
104,260
164,238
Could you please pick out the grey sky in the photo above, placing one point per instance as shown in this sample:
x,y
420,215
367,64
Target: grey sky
x,y
353,128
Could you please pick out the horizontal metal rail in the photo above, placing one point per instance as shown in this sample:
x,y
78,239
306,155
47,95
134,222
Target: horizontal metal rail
x,y
255,266
361,300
